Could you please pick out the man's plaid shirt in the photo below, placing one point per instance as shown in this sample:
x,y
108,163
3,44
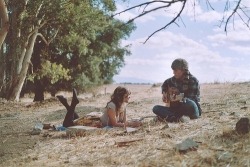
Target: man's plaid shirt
x,y
189,86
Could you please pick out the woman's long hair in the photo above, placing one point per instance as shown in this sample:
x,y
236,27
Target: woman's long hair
x,y
118,95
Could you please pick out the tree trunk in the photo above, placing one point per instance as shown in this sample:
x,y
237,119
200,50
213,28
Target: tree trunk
x,y
4,26
39,90
2,69
36,61
4,22
17,83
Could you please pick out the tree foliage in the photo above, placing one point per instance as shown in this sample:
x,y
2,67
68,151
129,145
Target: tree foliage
x,y
57,43
52,71
89,46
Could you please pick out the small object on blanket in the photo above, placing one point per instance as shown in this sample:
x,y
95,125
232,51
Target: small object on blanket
x,y
59,127
46,126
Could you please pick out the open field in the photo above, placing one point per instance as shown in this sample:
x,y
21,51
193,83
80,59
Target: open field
x,y
219,145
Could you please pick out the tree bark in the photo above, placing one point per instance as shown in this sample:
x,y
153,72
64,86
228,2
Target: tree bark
x,y
4,22
39,90
17,83
4,27
39,86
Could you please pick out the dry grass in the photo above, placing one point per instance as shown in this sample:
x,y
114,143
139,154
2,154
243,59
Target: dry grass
x,y
219,145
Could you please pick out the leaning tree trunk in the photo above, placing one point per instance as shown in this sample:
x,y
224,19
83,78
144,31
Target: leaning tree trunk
x,y
4,22
18,81
4,26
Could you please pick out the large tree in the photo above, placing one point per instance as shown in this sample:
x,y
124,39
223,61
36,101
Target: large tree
x,y
46,19
88,47
26,19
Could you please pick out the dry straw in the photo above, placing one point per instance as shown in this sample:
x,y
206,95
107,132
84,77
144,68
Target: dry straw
x,y
154,143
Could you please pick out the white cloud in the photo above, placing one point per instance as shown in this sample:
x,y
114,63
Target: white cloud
x,y
245,50
233,36
245,2
237,38
153,60
209,17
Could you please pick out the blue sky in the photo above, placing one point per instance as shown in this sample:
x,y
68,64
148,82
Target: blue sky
x,y
212,54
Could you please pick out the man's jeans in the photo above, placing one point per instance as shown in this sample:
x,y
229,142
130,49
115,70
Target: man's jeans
x,y
189,108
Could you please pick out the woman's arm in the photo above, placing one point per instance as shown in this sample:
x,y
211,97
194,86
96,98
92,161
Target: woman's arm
x,y
125,115
114,123
113,120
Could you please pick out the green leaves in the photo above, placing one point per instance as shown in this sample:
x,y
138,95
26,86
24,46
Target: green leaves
x,y
87,43
52,72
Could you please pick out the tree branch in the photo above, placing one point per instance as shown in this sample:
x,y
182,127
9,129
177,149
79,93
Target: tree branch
x,y
140,5
47,42
209,4
243,15
234,11
43,38
247,23
172,21
243,19
144,12
54,36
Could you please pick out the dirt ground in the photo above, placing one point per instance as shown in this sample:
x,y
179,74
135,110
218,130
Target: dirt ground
x,y
218,143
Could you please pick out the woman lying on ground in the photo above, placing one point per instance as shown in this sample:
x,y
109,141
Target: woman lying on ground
x,y
114,114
